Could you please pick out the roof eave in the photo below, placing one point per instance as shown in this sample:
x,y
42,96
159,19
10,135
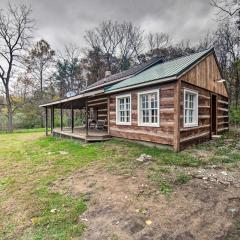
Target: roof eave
x,y
152,82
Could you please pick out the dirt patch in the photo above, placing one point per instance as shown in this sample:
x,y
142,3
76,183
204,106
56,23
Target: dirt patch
x,y
131,207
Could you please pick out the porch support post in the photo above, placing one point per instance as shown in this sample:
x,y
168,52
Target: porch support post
x,y
86,104
52,119
72,111
46,120
61,117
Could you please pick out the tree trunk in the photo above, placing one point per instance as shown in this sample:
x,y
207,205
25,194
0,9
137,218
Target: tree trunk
x,y
1,118
41,91
237,90
10,112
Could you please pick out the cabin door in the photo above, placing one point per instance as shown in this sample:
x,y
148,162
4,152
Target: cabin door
x,y
213,114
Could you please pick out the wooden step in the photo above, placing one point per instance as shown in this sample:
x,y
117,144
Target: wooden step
x,y
216,136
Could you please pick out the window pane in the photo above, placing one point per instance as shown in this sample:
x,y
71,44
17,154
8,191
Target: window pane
x,y
124,109
149,108
190,108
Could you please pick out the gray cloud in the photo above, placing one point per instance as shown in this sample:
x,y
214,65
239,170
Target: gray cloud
x,y
64,21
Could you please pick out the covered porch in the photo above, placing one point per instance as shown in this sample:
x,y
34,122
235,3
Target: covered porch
x,y
80,117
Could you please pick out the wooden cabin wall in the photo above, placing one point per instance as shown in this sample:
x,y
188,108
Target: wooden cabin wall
x,y
222,114
205,75
201,133
193,135
100,105
163,134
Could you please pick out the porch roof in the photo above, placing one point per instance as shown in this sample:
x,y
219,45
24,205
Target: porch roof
x,y
66,102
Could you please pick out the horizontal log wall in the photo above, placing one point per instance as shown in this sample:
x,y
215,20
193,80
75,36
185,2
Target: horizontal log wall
x,y
162,134
100,104
222,114
192,135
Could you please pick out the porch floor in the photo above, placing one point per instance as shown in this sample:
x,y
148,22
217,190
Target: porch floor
x,y
80,133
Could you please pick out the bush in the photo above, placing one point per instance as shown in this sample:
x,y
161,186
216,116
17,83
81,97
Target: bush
x,y
234,115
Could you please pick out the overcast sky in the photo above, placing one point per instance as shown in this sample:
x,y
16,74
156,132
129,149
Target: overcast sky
x,y
65,21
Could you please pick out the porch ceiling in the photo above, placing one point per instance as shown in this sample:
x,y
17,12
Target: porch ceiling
x,y
75,104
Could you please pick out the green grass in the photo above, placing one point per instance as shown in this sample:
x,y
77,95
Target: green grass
x,y
24,130
31,162
182,178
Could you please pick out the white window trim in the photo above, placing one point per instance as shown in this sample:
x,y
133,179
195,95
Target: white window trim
x,y
194,124
157,124
117,109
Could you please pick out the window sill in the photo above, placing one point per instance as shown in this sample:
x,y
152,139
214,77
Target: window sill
x,y
148,125
124,124
190,125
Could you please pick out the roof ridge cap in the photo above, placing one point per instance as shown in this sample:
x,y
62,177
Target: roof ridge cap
x,y
206,50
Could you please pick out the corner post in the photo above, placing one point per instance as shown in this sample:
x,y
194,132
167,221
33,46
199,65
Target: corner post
x,y
61,117
46,121
108,114
177,113
72,115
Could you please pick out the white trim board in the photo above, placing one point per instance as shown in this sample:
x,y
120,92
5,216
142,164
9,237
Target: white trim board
x,y
117,109
138,108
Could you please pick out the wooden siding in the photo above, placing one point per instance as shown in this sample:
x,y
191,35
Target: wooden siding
x,y
191,135
164,134
100,104
205,75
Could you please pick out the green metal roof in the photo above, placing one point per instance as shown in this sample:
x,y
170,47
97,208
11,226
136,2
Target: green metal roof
x,y
160,71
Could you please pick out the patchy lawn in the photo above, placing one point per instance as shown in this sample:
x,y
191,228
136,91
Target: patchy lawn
x,y
61,189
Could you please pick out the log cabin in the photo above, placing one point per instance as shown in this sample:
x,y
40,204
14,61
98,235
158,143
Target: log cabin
x,y
175,103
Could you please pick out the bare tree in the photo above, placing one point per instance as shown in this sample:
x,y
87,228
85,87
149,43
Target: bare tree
x,y
68,76
227,47
230,7
116,40
131,44
206,42
38,63
71,52
105,37
16,26
158,40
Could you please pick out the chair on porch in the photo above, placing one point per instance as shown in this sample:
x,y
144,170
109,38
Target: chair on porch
x,y
100,124
91,124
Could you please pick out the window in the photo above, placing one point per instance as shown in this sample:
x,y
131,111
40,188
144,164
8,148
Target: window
x,y
148,108
123,113
190,108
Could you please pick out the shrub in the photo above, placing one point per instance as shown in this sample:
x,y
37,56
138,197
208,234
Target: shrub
x,y
234,115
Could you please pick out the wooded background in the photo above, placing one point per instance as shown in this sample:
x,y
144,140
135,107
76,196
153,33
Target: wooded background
x,y
32,73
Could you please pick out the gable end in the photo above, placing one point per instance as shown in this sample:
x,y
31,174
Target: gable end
x,y
205,74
